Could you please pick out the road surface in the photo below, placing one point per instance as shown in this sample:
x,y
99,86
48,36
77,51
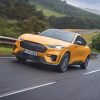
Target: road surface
x,y
29,81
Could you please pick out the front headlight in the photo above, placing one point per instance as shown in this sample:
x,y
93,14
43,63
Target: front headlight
x,y
59,47
20,39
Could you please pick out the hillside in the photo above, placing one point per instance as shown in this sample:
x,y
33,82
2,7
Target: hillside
x,y
62,7
58,13
48,12
92,10
18,16
73,17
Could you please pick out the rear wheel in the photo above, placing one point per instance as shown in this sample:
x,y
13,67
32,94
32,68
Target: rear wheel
x,y
62,67
85,64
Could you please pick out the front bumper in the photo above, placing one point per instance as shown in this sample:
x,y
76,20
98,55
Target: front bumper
x,y
31,57
51,56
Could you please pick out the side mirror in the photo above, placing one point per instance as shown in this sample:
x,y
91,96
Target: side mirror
x,y
78,42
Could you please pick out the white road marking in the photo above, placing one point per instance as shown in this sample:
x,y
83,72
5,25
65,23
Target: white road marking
x,y
7,57
24,90
92,72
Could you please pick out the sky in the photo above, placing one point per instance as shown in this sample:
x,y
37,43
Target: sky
x,y
94,4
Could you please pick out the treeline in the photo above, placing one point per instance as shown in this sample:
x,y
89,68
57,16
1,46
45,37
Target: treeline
x,y
64,8
74,22
18,16
75,17
19,10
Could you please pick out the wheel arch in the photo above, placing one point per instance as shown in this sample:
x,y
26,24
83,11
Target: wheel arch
x,y
86,56
66,51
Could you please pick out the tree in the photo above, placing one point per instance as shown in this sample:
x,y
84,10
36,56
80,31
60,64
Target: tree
x,y
96,42
73,22
26,15
33,25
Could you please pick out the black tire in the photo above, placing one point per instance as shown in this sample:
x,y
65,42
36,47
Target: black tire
x,y
62,67
21,59
85,64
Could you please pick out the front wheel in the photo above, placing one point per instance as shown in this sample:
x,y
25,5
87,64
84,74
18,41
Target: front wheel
x,y
21,59
62,67
85,64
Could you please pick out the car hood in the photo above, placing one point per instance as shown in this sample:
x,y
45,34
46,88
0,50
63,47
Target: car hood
x,y
44,40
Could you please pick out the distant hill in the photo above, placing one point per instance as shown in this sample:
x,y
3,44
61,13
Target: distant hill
x,y
94,11
62,7
59,14
46,10
67,16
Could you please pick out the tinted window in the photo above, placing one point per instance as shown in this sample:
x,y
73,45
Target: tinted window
x,y
59,34
83,41
79,38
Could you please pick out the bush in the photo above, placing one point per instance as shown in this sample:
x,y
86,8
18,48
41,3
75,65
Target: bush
x,y
96,42
9,28
33,25
18,16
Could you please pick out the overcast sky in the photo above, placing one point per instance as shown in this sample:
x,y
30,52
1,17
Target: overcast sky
x,y
94,4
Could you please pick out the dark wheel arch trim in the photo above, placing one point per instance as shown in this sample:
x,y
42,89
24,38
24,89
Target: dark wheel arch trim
x,y
62,68
85,64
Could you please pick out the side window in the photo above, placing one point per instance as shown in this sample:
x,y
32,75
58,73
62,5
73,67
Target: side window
x,y
83,41
79,38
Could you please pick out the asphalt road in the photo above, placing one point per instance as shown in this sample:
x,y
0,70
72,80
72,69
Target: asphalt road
x,y
29,81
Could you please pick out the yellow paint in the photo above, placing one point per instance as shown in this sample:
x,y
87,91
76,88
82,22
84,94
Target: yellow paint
x,y
77,52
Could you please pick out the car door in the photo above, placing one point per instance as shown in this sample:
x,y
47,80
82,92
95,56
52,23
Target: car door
x,y
79,49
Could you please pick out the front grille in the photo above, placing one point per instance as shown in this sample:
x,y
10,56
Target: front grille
x,y
33,46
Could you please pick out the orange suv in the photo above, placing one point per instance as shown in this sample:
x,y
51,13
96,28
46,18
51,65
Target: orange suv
x,y
55,47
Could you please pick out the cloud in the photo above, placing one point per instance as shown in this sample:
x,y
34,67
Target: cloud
x,y
94,4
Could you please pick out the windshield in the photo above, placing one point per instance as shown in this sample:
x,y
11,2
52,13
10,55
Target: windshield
x,y
59,34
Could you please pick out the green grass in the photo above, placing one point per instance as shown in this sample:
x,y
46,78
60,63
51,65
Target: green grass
x,y
47,12
88,37
98,51
5,51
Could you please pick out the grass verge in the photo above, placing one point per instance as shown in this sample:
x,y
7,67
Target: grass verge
x,y
88,38
98,51
6,51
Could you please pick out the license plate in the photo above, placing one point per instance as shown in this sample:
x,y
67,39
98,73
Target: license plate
x,y
30,52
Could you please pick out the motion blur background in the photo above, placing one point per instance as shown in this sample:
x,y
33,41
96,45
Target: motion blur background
x,y
32,16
